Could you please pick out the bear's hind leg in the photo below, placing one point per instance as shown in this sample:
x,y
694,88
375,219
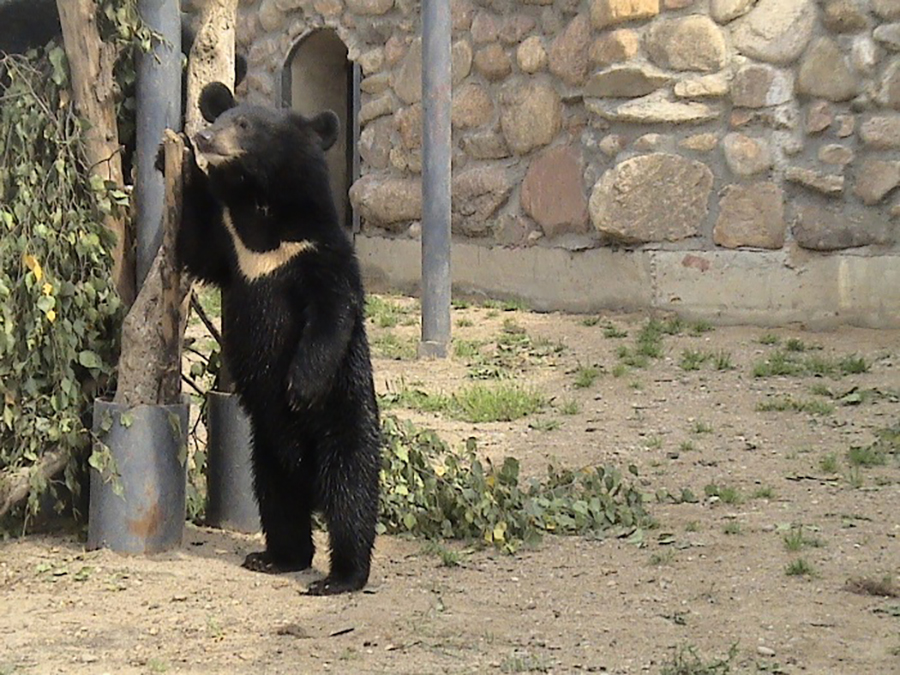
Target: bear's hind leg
x,y
286,516
350,506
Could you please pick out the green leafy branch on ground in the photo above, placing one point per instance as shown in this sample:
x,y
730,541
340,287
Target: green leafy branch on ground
x,y
430,491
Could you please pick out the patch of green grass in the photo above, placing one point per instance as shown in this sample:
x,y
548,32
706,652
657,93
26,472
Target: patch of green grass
x,y
629,358
701,427
829,463
796,539
649,340
769,339
585,376
888,439
778,363
692,359
211,300
385,313
449,557
800,567
500,403
700,327
820,389
869,455
389,346
692,526
467,349
823,366
795,345
464,323
506,305
415,398
511,351
786,403
687,661
590,321
653,443
726,494
637,385
764,492
619,370
524,663
732,527
662,558
477,403
687,446
853,365
613,332
544,425
672,326
855,478
722,360
570,407
457,303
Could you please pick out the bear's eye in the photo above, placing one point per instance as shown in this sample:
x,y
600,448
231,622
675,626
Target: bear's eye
x,y
243,124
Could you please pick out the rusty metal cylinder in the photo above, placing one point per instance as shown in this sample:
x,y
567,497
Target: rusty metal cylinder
x,y
138,477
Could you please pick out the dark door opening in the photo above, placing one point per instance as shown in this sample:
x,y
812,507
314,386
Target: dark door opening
x,y
318,76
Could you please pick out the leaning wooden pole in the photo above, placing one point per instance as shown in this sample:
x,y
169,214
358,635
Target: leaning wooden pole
x,y
150,360
91,64
173,292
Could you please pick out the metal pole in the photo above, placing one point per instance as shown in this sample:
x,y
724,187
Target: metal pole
x,y
158,107
436,92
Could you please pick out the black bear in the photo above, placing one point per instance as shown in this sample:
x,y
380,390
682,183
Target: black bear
x,y
262,225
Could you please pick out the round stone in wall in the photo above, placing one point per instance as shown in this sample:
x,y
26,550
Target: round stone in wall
x,y
689,43
745,155
569,52
751,215
370,7
826,73
387,202
477,195
724,11
553,191
531,55
776,31
531,116
655,197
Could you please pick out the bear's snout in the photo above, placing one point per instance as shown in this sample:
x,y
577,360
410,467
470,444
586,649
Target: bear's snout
x,y
204,140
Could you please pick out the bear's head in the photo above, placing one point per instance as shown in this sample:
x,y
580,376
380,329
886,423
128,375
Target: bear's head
x,y
258,140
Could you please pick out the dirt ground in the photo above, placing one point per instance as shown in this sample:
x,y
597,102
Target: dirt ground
x,y
713,575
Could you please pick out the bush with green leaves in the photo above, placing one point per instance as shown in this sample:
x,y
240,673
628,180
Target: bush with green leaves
x,y
430,491
59,311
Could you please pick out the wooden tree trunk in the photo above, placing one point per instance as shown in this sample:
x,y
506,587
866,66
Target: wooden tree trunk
x,y
211,60
212,55
150,362
91,64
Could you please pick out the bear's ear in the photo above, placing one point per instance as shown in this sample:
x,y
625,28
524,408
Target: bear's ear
x,y
327,126
215,99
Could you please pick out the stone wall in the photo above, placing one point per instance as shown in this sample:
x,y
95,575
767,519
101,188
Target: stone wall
x,y
670,125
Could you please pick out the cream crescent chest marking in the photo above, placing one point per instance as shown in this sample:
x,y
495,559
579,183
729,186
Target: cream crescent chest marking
x,y
255,265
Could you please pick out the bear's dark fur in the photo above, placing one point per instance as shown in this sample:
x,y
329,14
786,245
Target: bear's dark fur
x,y
263,227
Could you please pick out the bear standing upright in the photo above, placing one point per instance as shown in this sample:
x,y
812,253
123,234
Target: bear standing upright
x,y
262,225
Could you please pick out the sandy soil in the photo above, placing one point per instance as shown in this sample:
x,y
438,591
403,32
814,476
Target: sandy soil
x,y
712,575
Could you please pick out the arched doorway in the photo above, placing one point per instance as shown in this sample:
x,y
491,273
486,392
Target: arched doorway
x,y
318,76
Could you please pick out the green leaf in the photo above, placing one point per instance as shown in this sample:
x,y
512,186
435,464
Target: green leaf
x,y
89,359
